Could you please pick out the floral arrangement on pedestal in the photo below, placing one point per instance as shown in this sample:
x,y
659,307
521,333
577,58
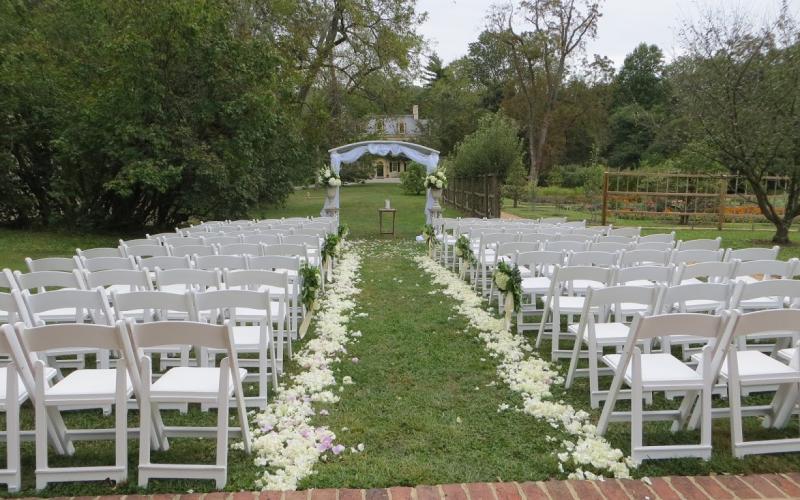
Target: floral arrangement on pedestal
x,y
328,178
436,180
508,281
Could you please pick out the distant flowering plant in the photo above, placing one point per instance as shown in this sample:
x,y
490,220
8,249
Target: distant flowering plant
x,y
436,180
328,178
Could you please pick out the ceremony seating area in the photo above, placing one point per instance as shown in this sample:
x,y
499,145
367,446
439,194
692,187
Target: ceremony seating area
x,y
682,320
163,322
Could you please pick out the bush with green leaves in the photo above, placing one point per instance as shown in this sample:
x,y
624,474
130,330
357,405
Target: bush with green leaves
x,y
413,179
492,149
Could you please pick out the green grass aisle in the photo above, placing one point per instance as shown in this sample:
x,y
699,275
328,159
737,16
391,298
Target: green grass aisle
x,y
425,399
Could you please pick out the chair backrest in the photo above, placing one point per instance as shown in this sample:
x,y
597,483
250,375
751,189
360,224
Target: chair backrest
x,y
220,262
714,272
574,224
70,336
536,238
767,269
91,253
267,239
146,302
626,240
581,238
657,275
164,262
748,254
225,303
168,333
512,248
41,280
676,297
92,302
146,250
644,257
541,263
781,290
592,258
692,324
51,264
694,256
613,297
223,240
654,245
552,220
163,236
608,246
658,238
278,263
629,232
311,241
700,244
287,249
191,250
195,279
769,320
106,263
565,246
134,279
314,230
138,242
253,279
240,249
564,277
181,241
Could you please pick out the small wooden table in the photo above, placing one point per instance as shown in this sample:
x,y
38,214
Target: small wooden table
x,y
381,213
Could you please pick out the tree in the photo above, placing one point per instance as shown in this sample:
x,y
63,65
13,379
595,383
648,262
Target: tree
x,y
413,179
540,58
641,79
516,185
494,148
740,87
434,70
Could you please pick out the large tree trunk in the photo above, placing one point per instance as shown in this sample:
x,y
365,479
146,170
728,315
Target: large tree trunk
x,y
782,233
534,171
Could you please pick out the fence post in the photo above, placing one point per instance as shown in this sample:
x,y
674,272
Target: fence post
x,y
723,194
605,198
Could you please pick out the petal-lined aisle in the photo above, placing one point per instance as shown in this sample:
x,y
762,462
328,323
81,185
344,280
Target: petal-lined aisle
x,y
426,400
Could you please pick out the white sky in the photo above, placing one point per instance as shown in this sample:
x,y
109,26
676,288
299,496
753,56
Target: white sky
x,y
453,24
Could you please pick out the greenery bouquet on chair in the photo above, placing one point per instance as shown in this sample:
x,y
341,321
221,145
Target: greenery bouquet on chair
x,y
508,281
429,235
311,281
331,249
466,257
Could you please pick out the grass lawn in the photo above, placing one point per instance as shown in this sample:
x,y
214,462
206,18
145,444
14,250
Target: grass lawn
x,y
424,401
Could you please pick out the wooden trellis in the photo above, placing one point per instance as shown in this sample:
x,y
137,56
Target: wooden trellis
x,y
691,199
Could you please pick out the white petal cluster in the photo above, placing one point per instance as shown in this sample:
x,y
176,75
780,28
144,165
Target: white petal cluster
x,y
532,377
285,442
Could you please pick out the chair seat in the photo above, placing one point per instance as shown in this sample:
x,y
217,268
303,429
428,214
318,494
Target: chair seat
x,y
745,279
702,305
49,374
660,371
571,304
605,333
786,354
94,384
583,285
194,382
628,308
539,284
758,367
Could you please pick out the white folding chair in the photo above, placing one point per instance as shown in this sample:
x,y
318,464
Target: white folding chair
x,y
252,336
565,246
628,232
240,249
700,244
751,271
290,266
564,299
91,253
150,250
164,262
640,257
105,263
266,239
81,387
655,245
220,262
182,280
646,276
191,250
138,242
604,324
205,385
693,256
118,280
704,272
177,241
658,238
605,246
624,240
51,264
661,372
223,240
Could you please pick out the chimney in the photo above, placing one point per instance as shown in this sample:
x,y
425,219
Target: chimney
x,y
415,111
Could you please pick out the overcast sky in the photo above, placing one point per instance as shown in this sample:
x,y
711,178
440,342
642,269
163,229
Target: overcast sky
x,y
453,24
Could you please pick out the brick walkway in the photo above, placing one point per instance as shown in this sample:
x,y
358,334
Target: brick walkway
x,y
673,487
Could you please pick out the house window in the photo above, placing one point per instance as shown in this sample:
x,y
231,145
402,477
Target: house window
x,y
394,166
401,128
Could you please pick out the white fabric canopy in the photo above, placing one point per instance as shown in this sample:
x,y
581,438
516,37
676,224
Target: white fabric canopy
x,y
352,152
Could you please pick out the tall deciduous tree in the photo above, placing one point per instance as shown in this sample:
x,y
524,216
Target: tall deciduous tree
x,y
740,85
554,32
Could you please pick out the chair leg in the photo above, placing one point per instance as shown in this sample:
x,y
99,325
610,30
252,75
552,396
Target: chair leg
x,y
40,424
222,421
145,423
543,322
13,462
637,419
121,416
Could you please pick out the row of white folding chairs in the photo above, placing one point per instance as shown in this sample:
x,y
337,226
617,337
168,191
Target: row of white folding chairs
x,y
53,307
310,243
271,236
29,377
720,366
328,224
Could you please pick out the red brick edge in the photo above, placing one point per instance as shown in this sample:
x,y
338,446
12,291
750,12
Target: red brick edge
x,y
717,487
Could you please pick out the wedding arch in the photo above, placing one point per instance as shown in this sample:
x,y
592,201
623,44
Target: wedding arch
x,y
352,152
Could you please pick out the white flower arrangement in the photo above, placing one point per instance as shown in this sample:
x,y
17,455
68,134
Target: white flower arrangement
x,y
436,180
532,377
328,178
284,440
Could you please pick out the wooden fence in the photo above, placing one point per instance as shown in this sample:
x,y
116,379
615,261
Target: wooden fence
x,y
691,199
476,196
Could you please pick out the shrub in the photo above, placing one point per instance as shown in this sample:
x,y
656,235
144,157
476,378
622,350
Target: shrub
x,y
413,179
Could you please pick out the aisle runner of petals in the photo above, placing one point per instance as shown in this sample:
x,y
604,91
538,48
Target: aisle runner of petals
x,y
284,440
532,377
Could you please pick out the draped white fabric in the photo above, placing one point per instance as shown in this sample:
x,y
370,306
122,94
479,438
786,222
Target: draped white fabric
x,y
429,158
